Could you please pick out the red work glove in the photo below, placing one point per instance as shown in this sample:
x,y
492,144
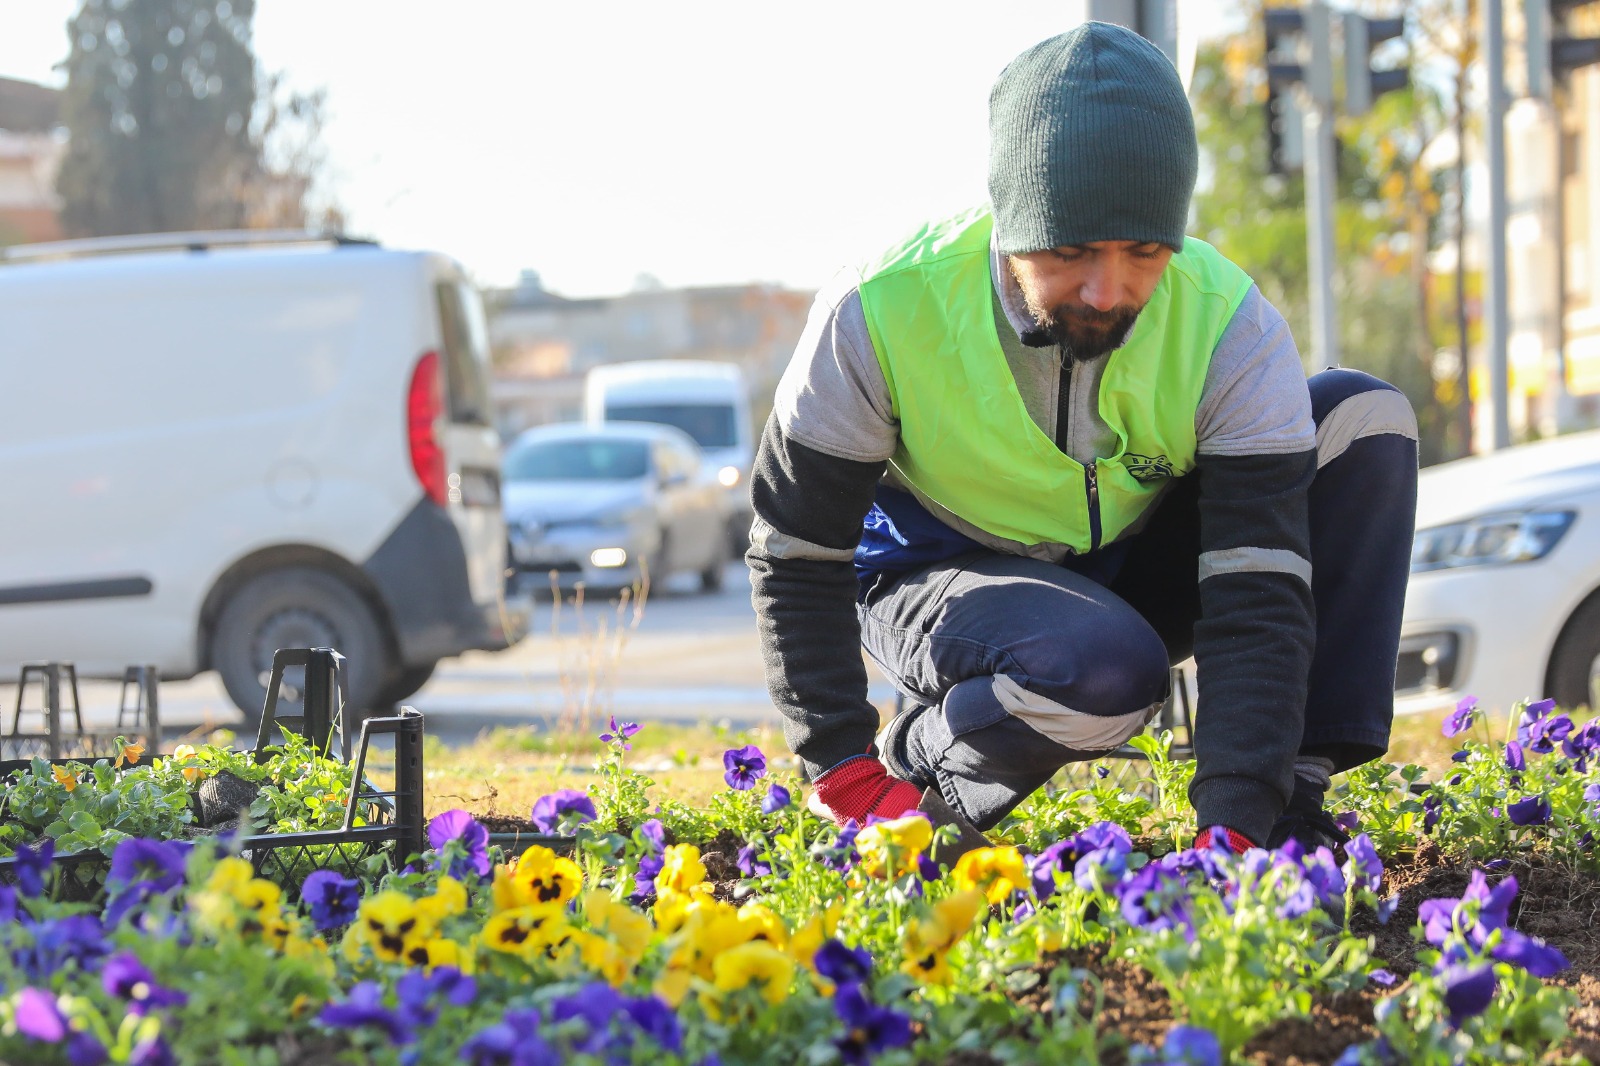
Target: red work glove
x,y
1220,836
859,787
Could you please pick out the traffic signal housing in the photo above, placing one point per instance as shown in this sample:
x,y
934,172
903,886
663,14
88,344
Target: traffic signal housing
x,y
1362,84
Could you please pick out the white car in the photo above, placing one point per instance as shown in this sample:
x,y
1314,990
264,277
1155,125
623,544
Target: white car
x,y
221,444
1504,599
608,505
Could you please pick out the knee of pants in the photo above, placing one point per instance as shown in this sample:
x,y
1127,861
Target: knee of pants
x,y
1106,674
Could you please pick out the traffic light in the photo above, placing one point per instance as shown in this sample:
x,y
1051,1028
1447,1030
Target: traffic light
x,y
1284,28
1362,84
1551,54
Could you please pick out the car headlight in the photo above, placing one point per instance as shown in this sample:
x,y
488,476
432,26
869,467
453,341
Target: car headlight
x,y
1515,537
728,477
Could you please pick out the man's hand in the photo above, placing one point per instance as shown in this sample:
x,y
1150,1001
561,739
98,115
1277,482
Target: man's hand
x,y
859,787
1220,836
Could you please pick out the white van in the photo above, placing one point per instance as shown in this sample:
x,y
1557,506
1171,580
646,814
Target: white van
x,y
707,400
218,445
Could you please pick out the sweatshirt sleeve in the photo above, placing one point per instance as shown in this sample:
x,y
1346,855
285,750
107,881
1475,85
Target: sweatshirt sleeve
x,y
1257,628
815,474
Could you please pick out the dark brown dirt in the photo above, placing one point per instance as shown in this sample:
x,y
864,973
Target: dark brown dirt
x,y
1335,1023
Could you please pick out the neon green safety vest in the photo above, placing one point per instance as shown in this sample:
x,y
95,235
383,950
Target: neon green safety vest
x,y
967,441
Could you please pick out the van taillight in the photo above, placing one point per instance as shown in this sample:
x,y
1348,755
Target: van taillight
x,y
424,405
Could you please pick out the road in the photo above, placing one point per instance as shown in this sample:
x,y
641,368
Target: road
x,y
688,657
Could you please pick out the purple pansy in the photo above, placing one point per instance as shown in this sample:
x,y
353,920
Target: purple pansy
x,y
472,841
566,805
656,1020
1460,720
420,993
1515,759
750,862
1468,991
1190,1045
1439,918
512,1041
597,1004
38,1017
1531,810
32,864
620,733
776,799
1364,867
1382,978
78,939
157,862
743,767
333,899
125,977
1544,734
869,1028
841,964
364,1008
1157,898
1322,870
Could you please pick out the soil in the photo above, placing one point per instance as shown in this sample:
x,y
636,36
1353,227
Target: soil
x,y
1555,904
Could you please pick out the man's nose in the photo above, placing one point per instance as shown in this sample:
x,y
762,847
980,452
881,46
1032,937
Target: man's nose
x,y
1102,289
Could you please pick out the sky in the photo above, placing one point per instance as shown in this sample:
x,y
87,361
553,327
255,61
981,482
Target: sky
x,y
700,143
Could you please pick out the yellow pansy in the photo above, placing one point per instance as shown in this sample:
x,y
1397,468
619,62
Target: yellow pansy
x,y
755,963
130,753
891,849
996,872
672,909
712,928
603,957
672,986
809,937
540,876
929,936
64,777
758,922
625,927
186,755
523,930
450,897
229,876
439,951
388,923
681,868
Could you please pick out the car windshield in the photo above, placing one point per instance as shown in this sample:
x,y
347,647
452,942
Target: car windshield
x,y
590,459
710,424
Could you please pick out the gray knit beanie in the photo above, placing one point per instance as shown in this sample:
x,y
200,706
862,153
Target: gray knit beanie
x,y
1090,139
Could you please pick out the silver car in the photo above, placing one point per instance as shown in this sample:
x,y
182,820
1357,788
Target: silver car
x,y
606,504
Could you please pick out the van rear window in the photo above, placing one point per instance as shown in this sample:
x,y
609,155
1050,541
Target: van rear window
x,y
466,351
710,424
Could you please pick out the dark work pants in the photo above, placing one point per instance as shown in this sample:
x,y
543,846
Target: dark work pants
x,y
1021,666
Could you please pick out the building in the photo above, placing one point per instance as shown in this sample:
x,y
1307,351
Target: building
x,y
32,144
544,344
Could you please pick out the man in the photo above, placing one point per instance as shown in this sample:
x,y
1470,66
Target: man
x,y
1040,452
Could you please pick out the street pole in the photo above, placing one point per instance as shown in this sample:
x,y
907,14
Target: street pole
x,y
1496,313
1321,182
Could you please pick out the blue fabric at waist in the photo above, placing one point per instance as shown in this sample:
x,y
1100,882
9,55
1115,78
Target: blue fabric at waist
x,y
899,536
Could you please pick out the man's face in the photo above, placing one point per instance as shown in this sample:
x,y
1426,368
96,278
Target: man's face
x,y
1085,297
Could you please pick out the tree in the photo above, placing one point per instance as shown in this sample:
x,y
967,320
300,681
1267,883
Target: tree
x,y
172,127
1386,220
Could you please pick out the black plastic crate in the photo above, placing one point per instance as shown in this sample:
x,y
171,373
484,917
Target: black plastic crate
x,y
395,825
61,733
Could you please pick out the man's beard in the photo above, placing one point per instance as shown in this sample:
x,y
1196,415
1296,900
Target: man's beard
x,y
1083,332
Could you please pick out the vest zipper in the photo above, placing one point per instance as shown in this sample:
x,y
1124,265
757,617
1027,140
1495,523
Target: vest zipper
x,y
1093,488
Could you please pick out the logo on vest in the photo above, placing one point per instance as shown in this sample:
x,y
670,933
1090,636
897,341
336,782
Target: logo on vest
x,y
1145,468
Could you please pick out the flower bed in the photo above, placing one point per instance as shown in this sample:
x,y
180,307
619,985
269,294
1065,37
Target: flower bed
x,y
292,808
778,938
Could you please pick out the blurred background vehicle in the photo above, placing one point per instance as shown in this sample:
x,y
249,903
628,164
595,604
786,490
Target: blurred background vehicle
x,y
707,400
1504,600
238,442
609,504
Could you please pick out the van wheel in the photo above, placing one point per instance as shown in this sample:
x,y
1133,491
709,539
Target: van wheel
x,y
296,607
1574,679
712,577
405,684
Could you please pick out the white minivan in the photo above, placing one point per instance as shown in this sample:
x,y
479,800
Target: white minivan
x,y
707,400
221,444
